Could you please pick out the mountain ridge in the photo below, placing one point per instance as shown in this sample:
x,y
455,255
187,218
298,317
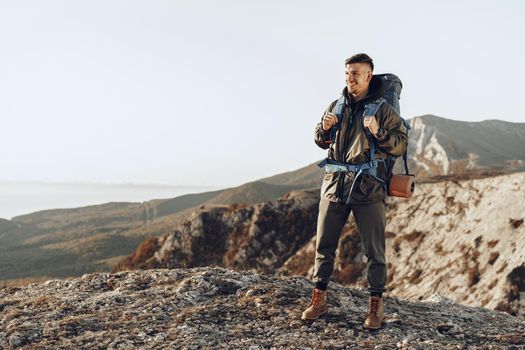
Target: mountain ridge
x,y
65,242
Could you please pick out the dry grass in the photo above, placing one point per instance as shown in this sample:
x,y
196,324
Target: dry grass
x,y
486,300
503,267
438,249
492,244
493,257
515,223
415,236
492,284
478,241
473,275
391,271
237,206
389,234
140,257
415,278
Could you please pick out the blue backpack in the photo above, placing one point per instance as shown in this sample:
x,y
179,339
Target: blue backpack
x,y
392,93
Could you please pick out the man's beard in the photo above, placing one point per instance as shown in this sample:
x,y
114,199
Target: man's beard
x,y
352,88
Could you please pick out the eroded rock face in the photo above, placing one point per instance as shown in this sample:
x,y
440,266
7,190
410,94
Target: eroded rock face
x,y
515,293
459,239
219,308
261,236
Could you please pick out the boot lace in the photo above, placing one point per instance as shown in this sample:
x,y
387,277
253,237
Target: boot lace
x,y
373,306
315,297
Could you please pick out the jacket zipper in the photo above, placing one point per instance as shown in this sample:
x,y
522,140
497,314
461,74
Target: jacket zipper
x,y
352,120
342,175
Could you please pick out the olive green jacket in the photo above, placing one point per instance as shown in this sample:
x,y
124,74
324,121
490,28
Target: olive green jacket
x,y
352,146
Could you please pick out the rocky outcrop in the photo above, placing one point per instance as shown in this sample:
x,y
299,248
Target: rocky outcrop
x,y
261,236
457,238
216,308
461,239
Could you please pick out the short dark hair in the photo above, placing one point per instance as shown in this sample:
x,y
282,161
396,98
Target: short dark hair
x,y
360,58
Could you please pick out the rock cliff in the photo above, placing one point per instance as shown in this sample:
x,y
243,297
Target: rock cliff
x,y
464,239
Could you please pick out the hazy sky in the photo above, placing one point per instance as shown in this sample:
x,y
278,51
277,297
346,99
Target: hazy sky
x,y
225,92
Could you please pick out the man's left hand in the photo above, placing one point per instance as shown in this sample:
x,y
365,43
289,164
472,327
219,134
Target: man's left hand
x,y
370,122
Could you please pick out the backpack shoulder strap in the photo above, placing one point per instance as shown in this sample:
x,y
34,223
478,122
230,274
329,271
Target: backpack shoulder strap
x,y
339,107
371,109
405,154
338,111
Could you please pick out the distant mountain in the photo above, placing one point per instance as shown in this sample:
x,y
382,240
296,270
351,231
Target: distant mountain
x,y
308,176
440,146
254,192
6,225
71,242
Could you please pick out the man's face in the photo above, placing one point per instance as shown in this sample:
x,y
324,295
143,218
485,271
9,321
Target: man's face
x,y
358,76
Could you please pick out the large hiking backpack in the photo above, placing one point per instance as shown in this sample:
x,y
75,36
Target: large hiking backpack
x,y
397,185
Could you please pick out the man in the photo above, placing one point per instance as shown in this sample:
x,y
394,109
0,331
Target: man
x,y
350,144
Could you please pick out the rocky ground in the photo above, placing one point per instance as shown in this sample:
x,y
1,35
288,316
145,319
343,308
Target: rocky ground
x,y
216,308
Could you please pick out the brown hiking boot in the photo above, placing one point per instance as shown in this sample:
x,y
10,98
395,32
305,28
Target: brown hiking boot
x,y
317,306
374,315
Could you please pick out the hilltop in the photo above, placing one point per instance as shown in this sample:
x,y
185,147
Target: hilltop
x,y
215,308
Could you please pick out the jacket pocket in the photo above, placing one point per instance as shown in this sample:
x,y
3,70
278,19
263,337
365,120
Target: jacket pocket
x,y
329,186
370,189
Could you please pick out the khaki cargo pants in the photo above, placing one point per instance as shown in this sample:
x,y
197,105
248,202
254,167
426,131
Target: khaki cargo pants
x,y
371,221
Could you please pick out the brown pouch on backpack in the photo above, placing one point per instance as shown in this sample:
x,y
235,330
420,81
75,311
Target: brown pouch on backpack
x,y
402,186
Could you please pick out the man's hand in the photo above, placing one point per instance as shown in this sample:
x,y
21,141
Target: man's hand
x,y
370,122
329,120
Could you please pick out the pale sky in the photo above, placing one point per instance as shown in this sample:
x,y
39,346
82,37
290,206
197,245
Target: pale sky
x,y
218,93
